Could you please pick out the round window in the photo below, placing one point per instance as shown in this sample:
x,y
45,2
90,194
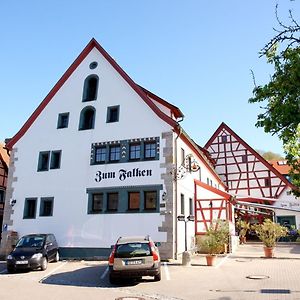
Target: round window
x,y
93,65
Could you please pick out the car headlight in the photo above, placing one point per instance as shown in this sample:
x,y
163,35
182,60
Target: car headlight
x,y
9,256
37,255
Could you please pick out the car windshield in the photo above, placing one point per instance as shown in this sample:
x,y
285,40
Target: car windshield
x,y
31,242
133,250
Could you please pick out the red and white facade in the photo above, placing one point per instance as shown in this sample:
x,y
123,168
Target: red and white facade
x,y
249,176
72,174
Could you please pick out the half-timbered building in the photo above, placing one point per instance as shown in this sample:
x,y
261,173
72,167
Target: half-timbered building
x,y
4,161
252,179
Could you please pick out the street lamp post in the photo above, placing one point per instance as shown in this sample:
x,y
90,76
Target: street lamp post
x,y
186,255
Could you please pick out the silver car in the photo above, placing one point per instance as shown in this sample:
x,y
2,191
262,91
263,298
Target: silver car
x,y
134,257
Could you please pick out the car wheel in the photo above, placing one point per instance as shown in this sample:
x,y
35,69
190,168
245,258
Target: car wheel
x,y
44,264
10,270
56,259
157,277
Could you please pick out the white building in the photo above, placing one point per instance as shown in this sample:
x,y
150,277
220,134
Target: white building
x,y
102,157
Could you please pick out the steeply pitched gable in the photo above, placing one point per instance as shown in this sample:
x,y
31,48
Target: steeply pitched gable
x,y
243,170
91,45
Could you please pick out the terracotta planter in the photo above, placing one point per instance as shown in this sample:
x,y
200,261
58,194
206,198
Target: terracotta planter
x,y
242,240
269,252
211,260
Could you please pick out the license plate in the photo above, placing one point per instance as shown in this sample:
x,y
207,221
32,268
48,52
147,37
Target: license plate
x,y
22,262
133,262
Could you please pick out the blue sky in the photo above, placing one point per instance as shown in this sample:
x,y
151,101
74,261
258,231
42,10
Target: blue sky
x,y
195,54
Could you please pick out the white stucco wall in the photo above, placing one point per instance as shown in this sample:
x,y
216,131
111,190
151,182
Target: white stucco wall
x,y
70,222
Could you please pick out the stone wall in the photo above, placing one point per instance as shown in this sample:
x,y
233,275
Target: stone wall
x,y
167,248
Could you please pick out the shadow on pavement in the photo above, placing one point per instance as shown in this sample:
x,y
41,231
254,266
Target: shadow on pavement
x,y
85,277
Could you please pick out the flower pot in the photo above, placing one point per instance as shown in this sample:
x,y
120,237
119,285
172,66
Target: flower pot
x,y
210,260
269,252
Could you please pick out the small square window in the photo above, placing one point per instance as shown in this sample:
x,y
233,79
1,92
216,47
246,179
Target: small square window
x,y
100,154
43,164
133,201
63,120
224,138
97,203
112,201
55,159
113,114
30,208
135,151
150,200
114,153
150,150
46,208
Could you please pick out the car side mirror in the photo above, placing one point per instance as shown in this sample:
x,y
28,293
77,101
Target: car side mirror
x,y
49,244
157,244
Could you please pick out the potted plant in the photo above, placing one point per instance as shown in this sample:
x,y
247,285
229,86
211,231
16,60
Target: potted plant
x,y
243,227
214,240
269,233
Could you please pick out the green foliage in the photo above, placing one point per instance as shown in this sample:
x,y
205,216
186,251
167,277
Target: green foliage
x,y
269,155
242,227
216,237
281,97
269,232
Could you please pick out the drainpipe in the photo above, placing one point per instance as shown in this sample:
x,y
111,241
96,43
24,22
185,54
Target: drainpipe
x,y
176,187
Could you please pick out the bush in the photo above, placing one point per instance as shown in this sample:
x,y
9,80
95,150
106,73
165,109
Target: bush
x,y
269,232
215,239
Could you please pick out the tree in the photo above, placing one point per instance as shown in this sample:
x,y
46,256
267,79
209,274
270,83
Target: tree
x,y
281,114
269,155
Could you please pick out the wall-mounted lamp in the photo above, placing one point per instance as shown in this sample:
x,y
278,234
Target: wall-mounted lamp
x,y
13,202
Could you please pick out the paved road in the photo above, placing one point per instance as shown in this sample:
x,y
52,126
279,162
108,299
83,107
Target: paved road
x,y
278,278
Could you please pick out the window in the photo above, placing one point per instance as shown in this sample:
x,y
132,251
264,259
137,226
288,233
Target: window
x,y
100,154
244,159
46,208
97,203
181,204
182,156
112,201
207,180
43,164
191,206
113,114
150,150
63,120
1,196
87,118
90,88
150,200
224,138
267,182
55,159
30,208
134,151
114,153
199,173
133,200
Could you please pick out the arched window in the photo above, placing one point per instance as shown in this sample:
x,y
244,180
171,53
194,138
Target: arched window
x,y
90,88
87,118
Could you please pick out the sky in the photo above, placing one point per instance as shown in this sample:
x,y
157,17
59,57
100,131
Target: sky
x,y
196,54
